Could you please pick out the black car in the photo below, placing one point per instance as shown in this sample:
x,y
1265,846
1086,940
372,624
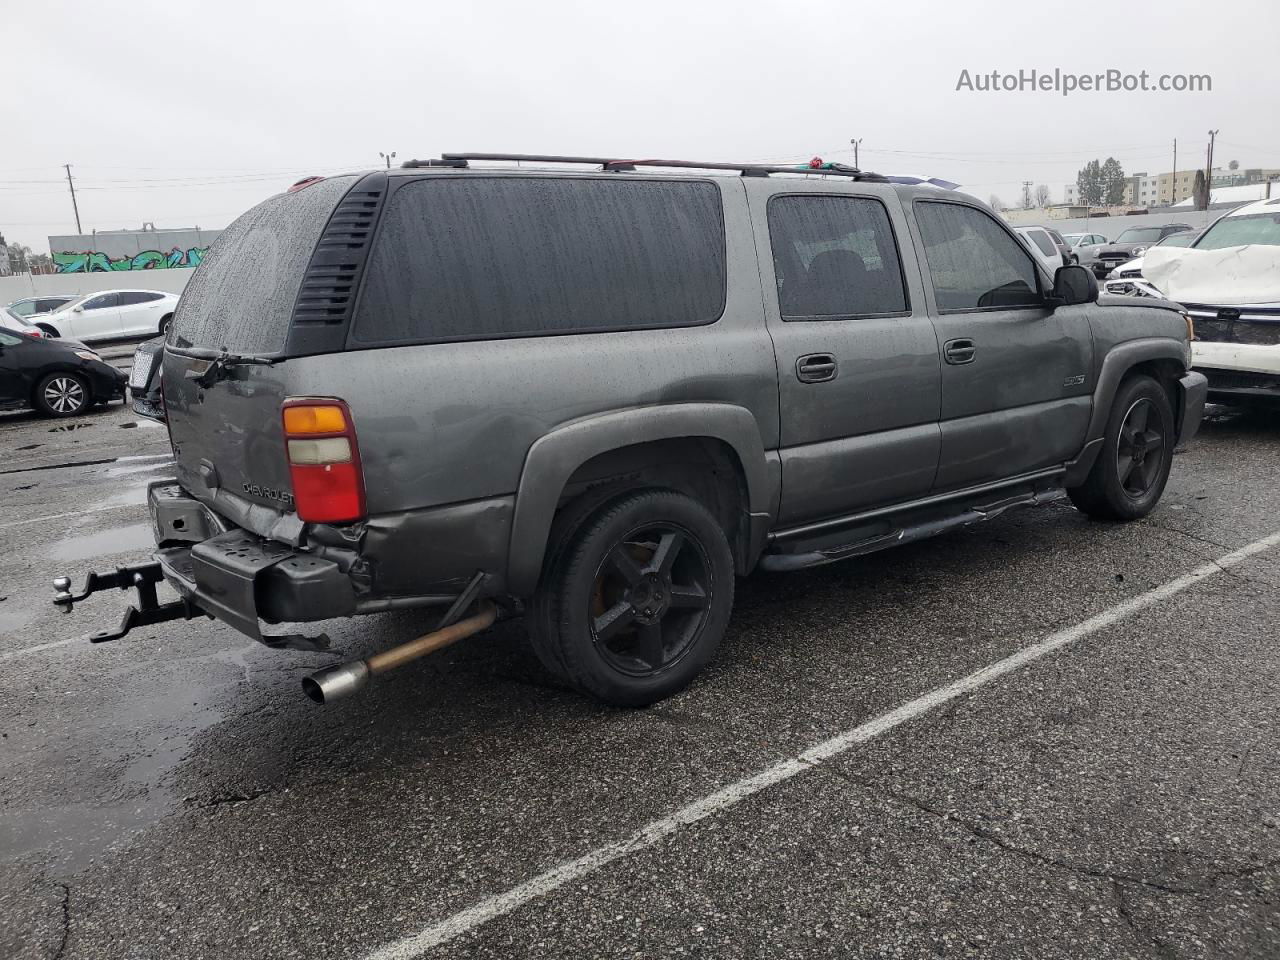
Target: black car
x,y
1132,243
144,380
57,378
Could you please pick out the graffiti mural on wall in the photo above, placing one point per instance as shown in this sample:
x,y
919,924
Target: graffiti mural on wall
x,y
92,261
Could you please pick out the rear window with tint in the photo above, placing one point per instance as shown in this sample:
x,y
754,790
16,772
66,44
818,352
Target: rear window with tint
x,y
474,258
241,296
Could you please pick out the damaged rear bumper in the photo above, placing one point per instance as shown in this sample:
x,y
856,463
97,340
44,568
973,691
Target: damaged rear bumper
x,y
224,571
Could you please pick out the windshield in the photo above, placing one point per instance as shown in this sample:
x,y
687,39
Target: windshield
x,y
1183,239
1139,235
1237,231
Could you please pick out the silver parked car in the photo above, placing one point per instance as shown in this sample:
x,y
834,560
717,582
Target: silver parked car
x,y
598,396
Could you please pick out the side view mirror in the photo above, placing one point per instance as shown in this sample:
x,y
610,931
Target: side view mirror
x,y
77,309
1074,284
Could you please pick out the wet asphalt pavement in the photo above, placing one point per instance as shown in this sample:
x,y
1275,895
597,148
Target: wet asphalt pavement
x,y
173,794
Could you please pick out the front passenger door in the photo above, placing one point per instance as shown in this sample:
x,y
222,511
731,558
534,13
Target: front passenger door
x,y
1017,377
98,318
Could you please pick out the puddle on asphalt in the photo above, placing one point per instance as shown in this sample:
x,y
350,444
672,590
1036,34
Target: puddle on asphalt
x,y
159,730
138,468
126,498
90,546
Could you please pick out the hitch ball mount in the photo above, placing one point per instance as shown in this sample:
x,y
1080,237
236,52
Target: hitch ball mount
x,y
149,610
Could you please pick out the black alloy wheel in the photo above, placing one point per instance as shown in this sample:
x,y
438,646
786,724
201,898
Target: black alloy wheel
x,y
635,596
650,599
1139,455
1128,478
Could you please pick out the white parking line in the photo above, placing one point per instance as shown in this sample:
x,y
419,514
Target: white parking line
x,y
545,883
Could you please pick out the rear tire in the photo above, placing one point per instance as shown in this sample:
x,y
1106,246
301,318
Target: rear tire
x,y
637,600
1131,471
62,394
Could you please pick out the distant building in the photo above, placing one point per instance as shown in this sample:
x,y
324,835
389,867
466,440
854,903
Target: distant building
x,y
1165,189
147,248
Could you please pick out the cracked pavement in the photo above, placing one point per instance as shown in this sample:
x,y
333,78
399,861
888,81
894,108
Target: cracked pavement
x,y
173,794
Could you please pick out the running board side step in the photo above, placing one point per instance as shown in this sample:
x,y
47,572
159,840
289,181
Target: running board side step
x,y
907,533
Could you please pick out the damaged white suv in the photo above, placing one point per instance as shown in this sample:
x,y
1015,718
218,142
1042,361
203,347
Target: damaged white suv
x,y
1229,282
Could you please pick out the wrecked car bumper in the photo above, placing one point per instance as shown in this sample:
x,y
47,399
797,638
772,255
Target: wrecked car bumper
x,y
1195,389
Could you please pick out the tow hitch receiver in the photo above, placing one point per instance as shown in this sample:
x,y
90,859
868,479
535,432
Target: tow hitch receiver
x,y
148,610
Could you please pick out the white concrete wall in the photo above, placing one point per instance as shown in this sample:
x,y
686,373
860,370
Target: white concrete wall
x,y
74,284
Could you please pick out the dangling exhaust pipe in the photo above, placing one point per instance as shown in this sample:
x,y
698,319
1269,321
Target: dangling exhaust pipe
x,y
334,683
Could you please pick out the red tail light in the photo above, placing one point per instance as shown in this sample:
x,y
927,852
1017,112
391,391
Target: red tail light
x,y
324,460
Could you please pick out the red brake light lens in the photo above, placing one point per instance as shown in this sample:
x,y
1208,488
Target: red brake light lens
x,y
324,460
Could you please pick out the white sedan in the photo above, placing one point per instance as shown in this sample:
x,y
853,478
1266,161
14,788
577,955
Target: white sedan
x,y
111,315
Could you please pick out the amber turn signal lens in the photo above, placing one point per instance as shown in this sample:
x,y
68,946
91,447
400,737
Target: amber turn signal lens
x,y
314,419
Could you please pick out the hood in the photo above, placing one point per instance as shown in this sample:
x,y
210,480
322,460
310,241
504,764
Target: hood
x,y
1231,275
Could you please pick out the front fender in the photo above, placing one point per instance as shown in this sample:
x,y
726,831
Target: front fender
x,y
552,460
1118,361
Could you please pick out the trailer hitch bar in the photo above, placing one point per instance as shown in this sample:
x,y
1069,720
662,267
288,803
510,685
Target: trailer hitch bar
x,y
149,610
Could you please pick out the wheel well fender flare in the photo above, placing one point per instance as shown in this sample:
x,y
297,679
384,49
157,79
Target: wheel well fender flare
x,y
554,458
1117,364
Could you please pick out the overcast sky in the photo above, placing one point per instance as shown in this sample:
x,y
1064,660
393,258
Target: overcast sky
x,y
184,114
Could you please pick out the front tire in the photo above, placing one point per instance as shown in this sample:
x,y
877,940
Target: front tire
x,y
1131,471
164,323
50,330
62,394
636,604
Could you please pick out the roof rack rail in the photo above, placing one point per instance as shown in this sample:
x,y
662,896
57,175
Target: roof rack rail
x,y
622,164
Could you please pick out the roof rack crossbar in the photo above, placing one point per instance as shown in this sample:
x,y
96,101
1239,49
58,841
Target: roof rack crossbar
x,y
623,164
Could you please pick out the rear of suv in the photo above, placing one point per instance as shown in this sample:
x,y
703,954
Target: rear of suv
x,y
595,396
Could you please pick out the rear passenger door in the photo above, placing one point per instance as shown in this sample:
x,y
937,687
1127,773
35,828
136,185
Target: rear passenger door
x,y
139,312
857,358
1016,374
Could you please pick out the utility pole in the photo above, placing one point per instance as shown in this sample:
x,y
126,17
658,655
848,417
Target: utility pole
x,y
855,152
1026,194
1175,172
388,157
73,197
1208,172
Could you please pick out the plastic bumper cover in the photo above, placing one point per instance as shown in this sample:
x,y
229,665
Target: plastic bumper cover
x,y
238,577
1195,389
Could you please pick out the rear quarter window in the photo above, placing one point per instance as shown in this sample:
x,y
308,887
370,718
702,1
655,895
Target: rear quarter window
x,y
473,258
241,296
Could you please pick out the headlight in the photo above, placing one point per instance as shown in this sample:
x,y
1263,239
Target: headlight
x,y
88,355
1138,251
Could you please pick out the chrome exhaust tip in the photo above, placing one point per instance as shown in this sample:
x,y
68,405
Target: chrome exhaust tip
x,y
334,683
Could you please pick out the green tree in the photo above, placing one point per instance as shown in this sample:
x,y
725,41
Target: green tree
x,y
1089,184
19,255
1113,183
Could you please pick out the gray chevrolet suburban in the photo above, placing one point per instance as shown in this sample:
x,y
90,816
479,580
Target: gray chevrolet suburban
x,y
594,392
